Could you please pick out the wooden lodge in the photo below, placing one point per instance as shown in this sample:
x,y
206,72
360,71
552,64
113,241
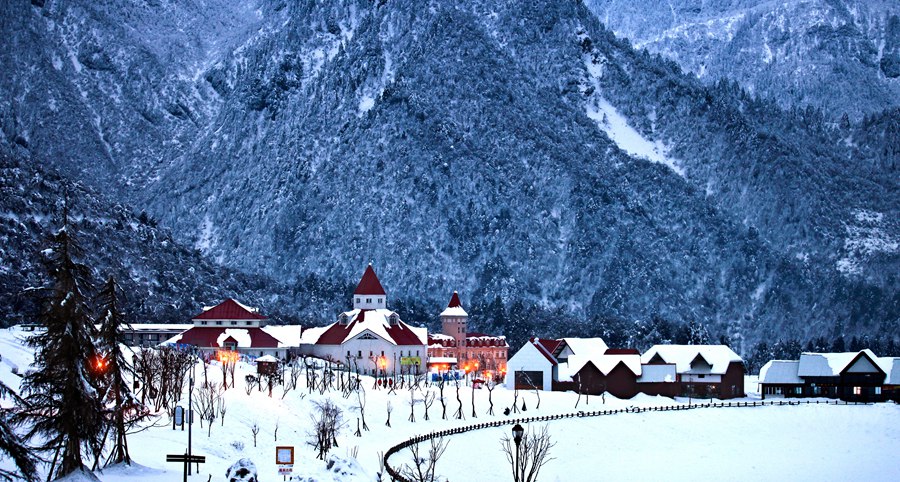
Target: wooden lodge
x,y
851,376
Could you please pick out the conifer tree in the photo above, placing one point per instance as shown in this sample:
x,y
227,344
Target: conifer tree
x,y
63,407
125,409
12,446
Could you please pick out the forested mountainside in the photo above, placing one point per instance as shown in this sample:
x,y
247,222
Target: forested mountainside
x,y
519,153
841,56
164,282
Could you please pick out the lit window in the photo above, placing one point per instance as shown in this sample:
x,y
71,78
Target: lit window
x,y
857,390
877,390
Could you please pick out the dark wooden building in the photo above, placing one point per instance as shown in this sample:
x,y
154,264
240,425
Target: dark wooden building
x,y
851,376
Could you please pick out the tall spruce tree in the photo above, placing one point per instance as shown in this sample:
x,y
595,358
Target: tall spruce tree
x,y
12,445
125,409
63,407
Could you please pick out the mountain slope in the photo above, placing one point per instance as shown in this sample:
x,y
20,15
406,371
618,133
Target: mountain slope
x,y
503,150
842,56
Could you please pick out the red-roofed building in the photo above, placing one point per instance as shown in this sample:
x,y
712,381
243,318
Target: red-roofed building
x,y
477,352
371,334
233,326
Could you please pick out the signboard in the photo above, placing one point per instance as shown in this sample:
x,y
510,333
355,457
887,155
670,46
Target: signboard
x,y
179,415
285,469
284,455
410,360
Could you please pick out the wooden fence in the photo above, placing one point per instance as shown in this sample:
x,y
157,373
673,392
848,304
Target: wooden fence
x,y
396,477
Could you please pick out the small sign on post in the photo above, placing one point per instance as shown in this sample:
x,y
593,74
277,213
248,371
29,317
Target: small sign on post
x,y
284,459
179,416
186,460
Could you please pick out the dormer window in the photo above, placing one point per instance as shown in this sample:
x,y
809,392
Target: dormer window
x,y
203,322
394,318
219,323
249,323
233,323
343,319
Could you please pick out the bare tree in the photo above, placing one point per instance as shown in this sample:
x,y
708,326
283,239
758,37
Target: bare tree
x,y
255,430
222,410
361,405
459,411
443,400
428,400
206,402
327,422
412,405
390,408
424,462
277,421
251,381
491,384
532,453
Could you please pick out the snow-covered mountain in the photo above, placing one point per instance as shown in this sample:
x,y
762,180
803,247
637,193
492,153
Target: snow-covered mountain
x,y
506,150
842,56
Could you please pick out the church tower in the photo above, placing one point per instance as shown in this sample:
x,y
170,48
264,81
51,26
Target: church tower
x,y
369,295
454,320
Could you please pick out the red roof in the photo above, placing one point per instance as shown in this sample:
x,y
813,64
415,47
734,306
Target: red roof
x,y
369,284
546,348
229,310
400,333
206,337
454,301
621,351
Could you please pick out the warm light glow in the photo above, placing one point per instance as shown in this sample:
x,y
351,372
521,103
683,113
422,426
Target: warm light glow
x,y
100,363
227,356
382,362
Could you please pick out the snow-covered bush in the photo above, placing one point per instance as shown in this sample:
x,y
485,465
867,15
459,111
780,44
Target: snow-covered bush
x,y
244,470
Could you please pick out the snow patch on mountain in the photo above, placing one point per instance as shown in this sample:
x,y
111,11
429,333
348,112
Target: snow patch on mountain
x,y
866,237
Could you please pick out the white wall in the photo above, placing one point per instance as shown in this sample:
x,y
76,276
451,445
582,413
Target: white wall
x,y
368,348
370,302
529,359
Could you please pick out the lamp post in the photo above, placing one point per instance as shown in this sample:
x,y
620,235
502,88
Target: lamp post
x,y
517,432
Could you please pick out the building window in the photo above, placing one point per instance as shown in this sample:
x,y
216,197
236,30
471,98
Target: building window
x,y
219,322
877,390
249,323
233,323
368,300
379,300
857,390
203,322
357,300
359,353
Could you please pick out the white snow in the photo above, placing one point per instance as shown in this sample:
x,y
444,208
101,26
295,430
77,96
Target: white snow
x,y
719,356
616,126
454,311
780,371
805,443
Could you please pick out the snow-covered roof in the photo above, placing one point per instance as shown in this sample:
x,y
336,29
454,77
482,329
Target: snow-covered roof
x,y
781,372
311,335
828,364
657,374
454,307
376,322
442,359
160,326
289,335
891,367
718,356
604,363
267,359
586,347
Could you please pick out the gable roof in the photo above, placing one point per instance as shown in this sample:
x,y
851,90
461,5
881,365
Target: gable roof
x,y
215,337
377,322
586,347
454,307
544,348
719,356
832,364
781,372
229,310
369,284
605,363
891,368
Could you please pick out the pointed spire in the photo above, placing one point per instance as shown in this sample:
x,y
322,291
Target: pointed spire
x,y
454,308
369,284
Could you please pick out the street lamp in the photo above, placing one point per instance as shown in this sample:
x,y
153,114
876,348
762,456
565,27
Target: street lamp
x,y
517,432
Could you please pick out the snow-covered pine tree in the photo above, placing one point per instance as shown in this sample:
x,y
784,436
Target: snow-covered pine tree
x,y
126,408
63,408
12,446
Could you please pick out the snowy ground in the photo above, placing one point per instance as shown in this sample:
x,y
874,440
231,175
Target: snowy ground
x,y
800,443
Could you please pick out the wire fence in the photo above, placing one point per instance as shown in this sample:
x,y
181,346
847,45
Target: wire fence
x,y
396,477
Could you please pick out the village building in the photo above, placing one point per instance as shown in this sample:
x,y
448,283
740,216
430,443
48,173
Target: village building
x,y
702,371
370,338
587,365
151,334
456,347
230,326
852,376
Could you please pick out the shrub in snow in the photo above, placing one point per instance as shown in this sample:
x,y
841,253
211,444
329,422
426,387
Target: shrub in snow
x,y
242,471
238,445
336,469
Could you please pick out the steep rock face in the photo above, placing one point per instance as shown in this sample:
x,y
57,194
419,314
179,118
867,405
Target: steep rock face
x,y
842,56
504,150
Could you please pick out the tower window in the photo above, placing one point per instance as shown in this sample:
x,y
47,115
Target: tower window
x,y
357,300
